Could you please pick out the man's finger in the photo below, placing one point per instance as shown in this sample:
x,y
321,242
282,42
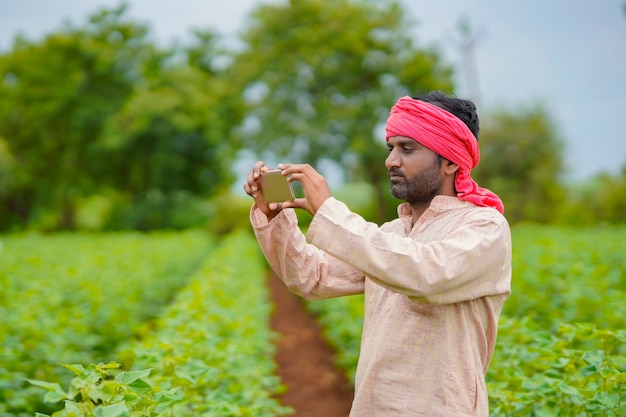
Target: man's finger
x,y
297,203
258,169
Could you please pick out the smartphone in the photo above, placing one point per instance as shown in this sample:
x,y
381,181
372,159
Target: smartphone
x,y
276,188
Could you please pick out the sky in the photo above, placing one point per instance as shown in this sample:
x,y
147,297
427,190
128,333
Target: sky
x,y
568,55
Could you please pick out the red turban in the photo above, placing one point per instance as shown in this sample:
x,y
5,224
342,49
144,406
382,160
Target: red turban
x,y
446,135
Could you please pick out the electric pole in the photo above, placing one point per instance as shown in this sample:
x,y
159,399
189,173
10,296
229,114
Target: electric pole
x,y
466,44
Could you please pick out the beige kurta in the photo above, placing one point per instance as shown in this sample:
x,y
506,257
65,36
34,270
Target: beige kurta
x,y
433,295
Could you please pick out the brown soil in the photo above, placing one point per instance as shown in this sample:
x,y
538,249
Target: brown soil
x,y
315,388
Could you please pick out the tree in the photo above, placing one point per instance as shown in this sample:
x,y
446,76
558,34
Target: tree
x,y
54,99
99,110
522,156
171,139
605,198
319,78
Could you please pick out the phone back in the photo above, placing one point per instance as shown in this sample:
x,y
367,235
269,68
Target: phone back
x,y
276,188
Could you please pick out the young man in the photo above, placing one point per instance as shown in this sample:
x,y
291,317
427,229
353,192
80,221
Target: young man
x,y
435,279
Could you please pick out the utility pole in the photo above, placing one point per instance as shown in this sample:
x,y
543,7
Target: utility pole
x,y
466,44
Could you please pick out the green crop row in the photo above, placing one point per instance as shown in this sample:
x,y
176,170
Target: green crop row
x,y
76,297
342,321
562,341
210,353
569,276
576,370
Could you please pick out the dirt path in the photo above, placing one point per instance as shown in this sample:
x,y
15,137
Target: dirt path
x,y
314,387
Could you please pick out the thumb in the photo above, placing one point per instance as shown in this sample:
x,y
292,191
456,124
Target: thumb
x,y
297,203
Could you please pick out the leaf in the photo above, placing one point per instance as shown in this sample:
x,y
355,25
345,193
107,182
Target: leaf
x,y
131,376
72,409
594,357
560,362
167,399
104,392
589,370
568,390
50,386
110,365
140,386
55,392
608,373
78,369
114,410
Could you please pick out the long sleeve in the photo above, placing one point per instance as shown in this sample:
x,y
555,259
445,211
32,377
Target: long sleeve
x,y
460,259
306,270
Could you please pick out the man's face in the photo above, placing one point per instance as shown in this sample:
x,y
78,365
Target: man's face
x,y
414,171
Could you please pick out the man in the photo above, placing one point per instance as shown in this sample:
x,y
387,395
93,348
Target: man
x,y
435,279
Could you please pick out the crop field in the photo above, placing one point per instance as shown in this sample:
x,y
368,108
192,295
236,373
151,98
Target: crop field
x,y
561,347
114,324
177,323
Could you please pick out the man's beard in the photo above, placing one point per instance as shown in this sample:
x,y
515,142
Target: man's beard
x,y
421,188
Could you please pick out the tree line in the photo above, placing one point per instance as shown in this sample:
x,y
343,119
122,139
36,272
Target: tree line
x,y
99,122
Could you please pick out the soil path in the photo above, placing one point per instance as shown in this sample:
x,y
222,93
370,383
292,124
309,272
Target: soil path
x,y
315,388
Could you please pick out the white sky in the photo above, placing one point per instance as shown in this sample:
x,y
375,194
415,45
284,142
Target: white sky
x,y
568,54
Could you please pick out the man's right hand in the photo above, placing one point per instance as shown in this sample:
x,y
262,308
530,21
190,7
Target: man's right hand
x,y
253,188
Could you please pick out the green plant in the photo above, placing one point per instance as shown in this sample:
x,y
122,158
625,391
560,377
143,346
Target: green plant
x,y
104,390
210,352
73,298
578,370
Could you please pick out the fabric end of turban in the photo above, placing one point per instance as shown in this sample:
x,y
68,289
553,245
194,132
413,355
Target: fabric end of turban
x,y
468,190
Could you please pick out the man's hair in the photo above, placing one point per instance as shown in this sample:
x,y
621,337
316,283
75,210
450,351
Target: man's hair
x,y
463,109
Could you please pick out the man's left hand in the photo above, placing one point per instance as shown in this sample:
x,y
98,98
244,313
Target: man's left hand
x,y
314,185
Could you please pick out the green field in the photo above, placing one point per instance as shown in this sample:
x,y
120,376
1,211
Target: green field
x,y
153,324
177,323
561,347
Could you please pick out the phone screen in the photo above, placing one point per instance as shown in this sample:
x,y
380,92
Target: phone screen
x,y
276,188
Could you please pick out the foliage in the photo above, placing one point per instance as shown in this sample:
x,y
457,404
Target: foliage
x,y
577,370
214,343
318,92
53,101
103,390
561,343
205,355
74,298
154,210
600,200
565,275
522,156
228,212
172,133
609,200
342,333
99,110
158,136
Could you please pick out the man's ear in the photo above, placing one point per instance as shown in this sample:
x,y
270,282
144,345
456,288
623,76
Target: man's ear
x,y
449,168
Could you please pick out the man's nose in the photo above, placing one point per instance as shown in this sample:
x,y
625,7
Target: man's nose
x,y
392,160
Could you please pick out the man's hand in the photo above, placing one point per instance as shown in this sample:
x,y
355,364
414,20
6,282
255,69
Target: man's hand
x,y
253,188
314,185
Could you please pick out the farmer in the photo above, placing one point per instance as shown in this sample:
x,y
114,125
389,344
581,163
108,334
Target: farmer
x,y
435,279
